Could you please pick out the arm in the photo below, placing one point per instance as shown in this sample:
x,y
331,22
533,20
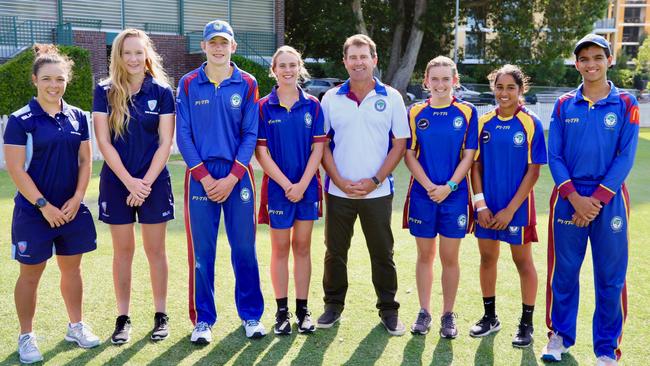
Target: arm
x,y
366,185
296,191
417,171
270,167
503,217
330,168
484,214
442,192
71,206
15,161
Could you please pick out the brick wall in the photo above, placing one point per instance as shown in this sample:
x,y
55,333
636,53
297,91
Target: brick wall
x,y
95,42
279,22
176,61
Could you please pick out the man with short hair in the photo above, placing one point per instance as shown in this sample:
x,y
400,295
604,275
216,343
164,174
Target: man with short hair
x,y
216,131
366,123
592,141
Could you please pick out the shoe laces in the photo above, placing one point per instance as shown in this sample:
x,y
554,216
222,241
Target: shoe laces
x,y
449,320
252,323
28,344
521,329
84,329
202,327
161,320
121,322
423,318
281,316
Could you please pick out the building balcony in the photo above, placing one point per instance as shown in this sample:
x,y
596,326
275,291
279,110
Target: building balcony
x,y
604,26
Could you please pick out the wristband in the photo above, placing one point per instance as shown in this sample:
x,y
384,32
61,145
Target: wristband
x,y
452,185
478,197
376,181
481,209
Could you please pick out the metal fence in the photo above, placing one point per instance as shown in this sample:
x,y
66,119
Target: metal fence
x,y
16,34
256,46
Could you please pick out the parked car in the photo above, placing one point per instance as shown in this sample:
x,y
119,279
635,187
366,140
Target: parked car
x,y
318,87
461,92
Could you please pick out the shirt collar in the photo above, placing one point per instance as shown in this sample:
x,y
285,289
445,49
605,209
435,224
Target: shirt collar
x,y
612,97
37,110
380,88
234,78
274,100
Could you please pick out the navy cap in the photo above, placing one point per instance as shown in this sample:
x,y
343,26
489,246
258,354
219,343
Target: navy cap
x,y
593,39
218,28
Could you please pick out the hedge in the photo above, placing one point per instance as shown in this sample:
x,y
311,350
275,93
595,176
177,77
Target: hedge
x,y
265,82
16,87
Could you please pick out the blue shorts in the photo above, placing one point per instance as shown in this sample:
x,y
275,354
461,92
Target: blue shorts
x,y
34,241
427,219
514,235
157,208
283,214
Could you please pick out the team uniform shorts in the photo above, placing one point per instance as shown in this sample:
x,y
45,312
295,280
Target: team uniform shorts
x,y
427,219
514,235
282,215
157,207
34,241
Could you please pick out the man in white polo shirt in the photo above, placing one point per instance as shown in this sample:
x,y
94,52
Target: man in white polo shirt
x,y
367,126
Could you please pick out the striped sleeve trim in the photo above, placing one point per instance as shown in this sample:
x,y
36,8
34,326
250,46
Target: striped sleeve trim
x,y
238,169
566,188
199,171
603,194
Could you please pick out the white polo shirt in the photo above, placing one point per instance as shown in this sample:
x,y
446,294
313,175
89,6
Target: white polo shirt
x,y
360,134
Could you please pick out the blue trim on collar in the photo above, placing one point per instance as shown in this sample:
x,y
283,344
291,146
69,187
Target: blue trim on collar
x,y
380,88
274,100
614,95
234,78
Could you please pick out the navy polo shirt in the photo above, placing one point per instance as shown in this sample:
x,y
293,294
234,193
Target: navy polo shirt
x,y
140,140
51,149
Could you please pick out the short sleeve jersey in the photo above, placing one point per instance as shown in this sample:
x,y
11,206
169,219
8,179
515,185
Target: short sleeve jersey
x,y
289,133
51,149
140,140
506,147
439,135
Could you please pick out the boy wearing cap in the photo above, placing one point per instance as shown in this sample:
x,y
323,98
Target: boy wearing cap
x,y
216,131
590,200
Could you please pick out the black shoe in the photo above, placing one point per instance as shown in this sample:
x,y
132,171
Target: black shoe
x,y
122,332
328,319
393,325
485,326
304,323
160,327
282,324
524,336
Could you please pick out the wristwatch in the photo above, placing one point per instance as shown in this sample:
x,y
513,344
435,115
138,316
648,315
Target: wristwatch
x,y
453,185
40,203
376,181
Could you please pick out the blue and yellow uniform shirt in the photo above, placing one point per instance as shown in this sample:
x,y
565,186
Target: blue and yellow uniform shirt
x,y
506,147
140,140
289,133
593,143
51,149
217,121
438,136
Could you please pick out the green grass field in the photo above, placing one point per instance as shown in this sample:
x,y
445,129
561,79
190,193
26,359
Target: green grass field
x,y
359,339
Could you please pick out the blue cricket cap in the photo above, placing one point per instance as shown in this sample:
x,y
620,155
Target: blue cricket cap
x,y
593,40
218,28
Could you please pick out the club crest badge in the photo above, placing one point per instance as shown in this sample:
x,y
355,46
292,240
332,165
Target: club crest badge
x,y
245,194
308,120
519,138
380,105
423,124
458,122
462,221
610,120
235,100
616,224
152,104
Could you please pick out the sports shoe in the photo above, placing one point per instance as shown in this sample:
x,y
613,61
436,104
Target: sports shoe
x,y
524,336
305,324
28,349
448,327
606,361
422,323
554,348
122,332
328,318
393,325
485,326
160,327
253,328
202,333
82,335
282,324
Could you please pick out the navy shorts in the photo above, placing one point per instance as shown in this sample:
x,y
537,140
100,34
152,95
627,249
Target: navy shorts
x,y
514,235
427,219
282,215
157,207
34,241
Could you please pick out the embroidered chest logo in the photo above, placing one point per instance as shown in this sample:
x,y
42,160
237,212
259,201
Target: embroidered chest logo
x,y
380,105
235,100
462,221
308,120
610,120
75,124
519,138
616,224
423,124
152,104
458,123
245,194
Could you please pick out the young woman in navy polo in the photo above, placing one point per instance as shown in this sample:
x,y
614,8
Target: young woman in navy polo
x,y
133,113
48,157
289,149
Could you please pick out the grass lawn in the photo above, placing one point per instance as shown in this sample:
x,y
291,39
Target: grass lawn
x,y
359,339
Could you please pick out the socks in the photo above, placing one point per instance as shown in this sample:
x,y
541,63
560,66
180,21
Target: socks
x,y
527,313
282,304
490,306
301,308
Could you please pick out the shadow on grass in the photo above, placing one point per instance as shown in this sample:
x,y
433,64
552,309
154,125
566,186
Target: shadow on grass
x,y
314,348
485,352
175,353
124,356
370,348
413,350
528,357
255,348
279,347
443,354
227,347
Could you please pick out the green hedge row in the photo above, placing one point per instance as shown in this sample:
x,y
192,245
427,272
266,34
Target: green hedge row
x,y
265,82
16,87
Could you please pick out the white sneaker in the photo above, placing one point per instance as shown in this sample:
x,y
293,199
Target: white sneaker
x,y
82,335
606,361
202,333
253,328
28,349
554,348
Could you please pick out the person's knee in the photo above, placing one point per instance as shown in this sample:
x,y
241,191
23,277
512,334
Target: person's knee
x,y
301,248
